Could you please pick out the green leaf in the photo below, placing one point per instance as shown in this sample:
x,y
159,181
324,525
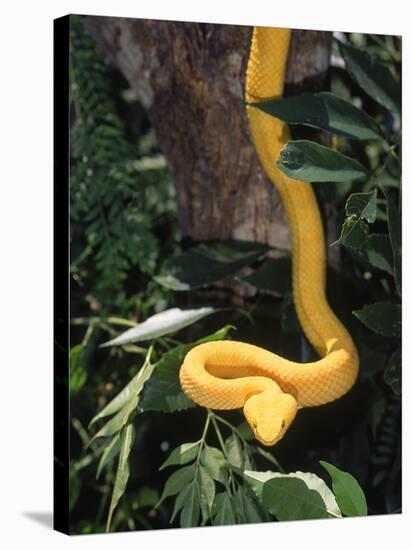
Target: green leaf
x,y
246,431
373,76
207,492
393,372
308,161
257,480
180,501
158,325
182,455
354,232
349,495
325,111
162,392
237,455
207,263
273,275
177,481
363,205
238,501
129,392
289,498
376,412
317,484
255,512
382,317
190,514
214,463
378,252
248,510
196,494
122,474
223,513
116,423
125,402
78,373
109,453
395,231
361,209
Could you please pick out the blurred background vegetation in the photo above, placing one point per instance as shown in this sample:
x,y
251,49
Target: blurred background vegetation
x,y
126,255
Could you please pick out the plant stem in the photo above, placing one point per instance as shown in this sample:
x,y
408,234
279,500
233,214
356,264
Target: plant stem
x,y
219,435
229,425
203,437
232,480
202,440
88,334
265,454
164,344
270,458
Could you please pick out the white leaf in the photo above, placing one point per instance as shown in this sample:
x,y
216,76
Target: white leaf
x,y
160,324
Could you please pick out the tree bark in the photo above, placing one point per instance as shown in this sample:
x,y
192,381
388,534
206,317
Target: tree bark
x,y
190,77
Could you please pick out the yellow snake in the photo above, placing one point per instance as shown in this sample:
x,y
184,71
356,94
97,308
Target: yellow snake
x,y
230,374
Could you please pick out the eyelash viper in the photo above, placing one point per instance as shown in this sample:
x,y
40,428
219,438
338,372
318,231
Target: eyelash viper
x,y
230,374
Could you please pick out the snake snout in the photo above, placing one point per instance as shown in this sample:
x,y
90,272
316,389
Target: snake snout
x,y
270,416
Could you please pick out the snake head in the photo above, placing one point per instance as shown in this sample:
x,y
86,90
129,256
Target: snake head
x,y
270,416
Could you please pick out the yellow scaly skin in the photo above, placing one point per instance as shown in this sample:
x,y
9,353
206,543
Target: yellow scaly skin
x,y
229,374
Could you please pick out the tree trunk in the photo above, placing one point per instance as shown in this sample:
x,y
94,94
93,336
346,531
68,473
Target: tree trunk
x,y
190,77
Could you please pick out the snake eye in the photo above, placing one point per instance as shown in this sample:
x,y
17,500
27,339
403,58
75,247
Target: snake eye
x,y
283,424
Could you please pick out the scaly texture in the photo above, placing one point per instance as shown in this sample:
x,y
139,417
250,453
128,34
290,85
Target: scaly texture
x,y
229,375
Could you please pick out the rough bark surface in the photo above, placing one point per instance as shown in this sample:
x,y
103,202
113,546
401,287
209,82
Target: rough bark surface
x,y
190,77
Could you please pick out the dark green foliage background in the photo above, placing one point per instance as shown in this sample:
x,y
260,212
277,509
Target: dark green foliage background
x,y
125,266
